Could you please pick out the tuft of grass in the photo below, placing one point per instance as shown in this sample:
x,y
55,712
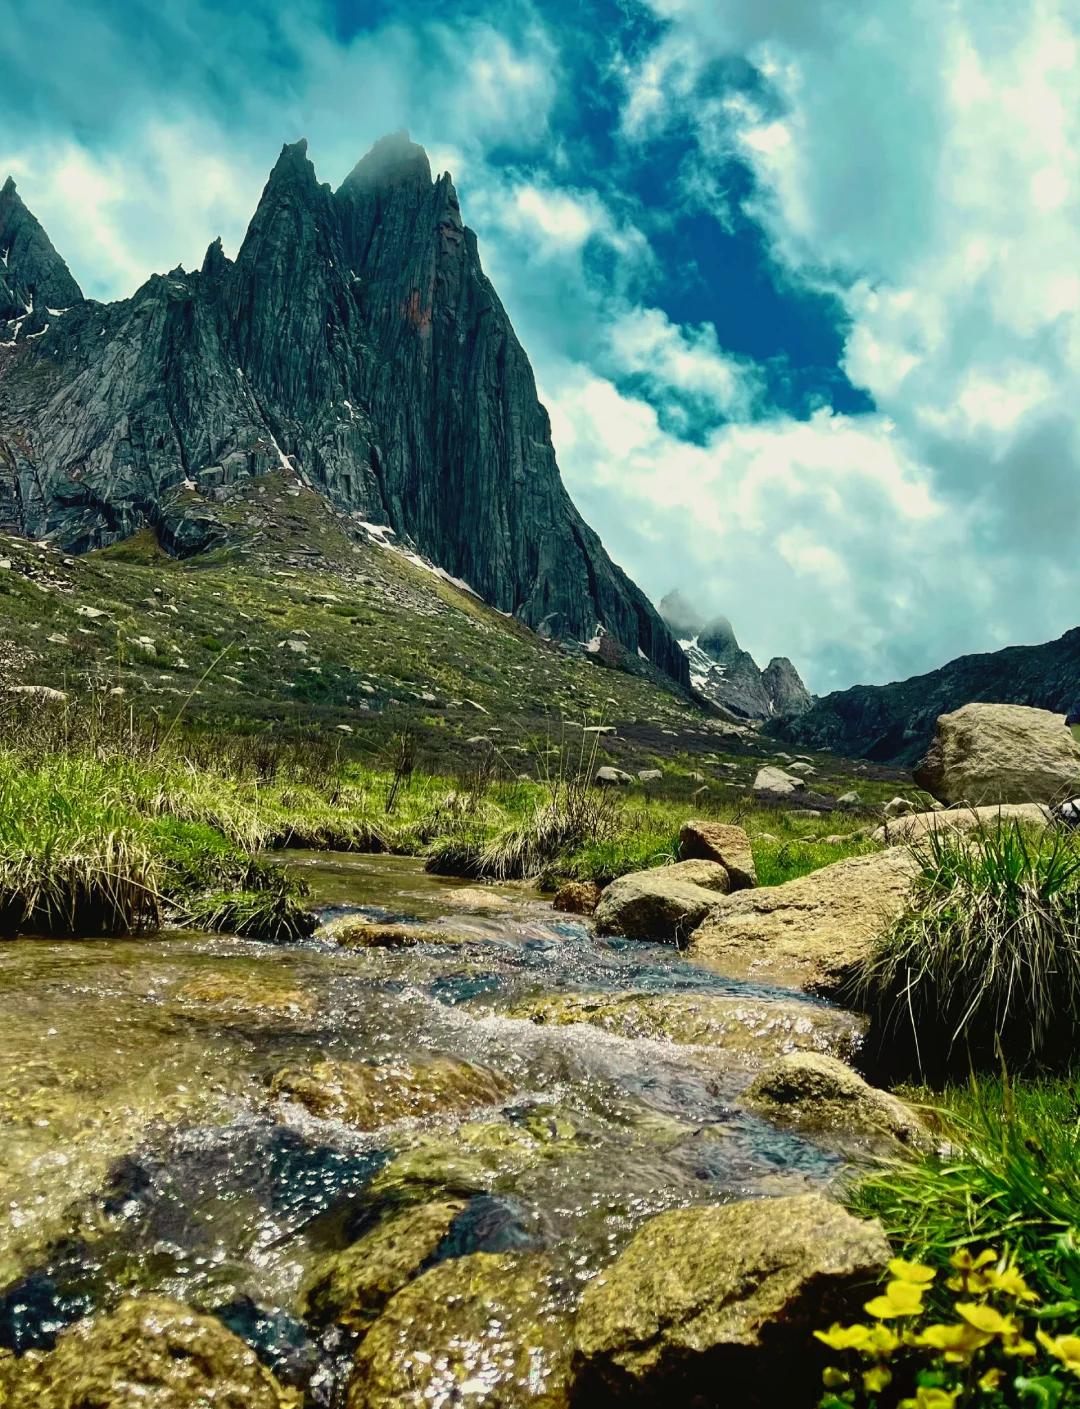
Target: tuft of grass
x,y
983,964
272,914
1007,1175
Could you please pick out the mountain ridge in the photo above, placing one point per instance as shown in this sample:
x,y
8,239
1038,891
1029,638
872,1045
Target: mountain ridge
x,y
355,339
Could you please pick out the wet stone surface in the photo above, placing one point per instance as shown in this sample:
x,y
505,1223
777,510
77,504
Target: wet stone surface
x,y
146,1148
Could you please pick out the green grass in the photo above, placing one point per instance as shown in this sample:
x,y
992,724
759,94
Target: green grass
x,y
983,964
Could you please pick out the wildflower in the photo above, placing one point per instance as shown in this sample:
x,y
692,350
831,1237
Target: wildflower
x,y
913,1272
957,1343
1010,1283
986,1319
973,1277
832,1378
931,1399
877,1378
991,1380
881,1340
1064,1348
839,1337
900,1299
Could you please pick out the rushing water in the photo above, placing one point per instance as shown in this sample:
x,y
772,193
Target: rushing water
x,y
141,1146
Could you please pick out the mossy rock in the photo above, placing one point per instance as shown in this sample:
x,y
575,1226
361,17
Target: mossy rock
x,y
148,1354
473,1159
758,1029
352,1287
240,992
815,1092
367,1097
366,936
482,1330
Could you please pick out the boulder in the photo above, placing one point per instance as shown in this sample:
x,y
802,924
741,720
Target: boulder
x,y
805,770
726,1296
989,753
394,936
650,775
812,932
150,1353
710,874
653,905
817,1092
480,1330
849,801
612,778
758,1030
578,897
351,1288
777,782
915,826
367,1097
899,807
727,845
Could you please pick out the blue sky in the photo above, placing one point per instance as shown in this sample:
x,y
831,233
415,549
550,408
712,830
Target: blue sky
x,y
800,279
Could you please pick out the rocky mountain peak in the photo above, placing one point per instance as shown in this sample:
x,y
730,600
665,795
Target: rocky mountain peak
x,y
356,342
32,274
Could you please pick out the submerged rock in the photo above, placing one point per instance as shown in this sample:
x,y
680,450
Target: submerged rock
x,y
653,905
366,1096
817,1092
482,1330
988,753
236,991
760,1030
578,898
720,1302
717,841
148,1354
352,1287
811,932
371,936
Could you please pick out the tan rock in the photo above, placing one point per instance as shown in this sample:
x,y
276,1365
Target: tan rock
x,y
776,781
653,905
709,874
717,841
817,1092
149,1353
728,1296
960,819
811,932
578,898
989,753
367,1096
374,936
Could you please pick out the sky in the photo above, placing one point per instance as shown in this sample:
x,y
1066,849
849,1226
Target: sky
x,y
799,279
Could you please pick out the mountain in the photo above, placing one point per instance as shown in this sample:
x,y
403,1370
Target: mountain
x,y
895,723
726,674
355,340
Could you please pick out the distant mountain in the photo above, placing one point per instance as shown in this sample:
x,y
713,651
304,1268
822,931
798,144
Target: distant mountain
x,y
895,723
355,339
726,674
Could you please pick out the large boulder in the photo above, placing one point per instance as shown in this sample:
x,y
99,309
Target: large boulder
x,y
726,1297
754,1029
812,932
578,898
915,826
774,782
720,842
351,1288
709,874
653,905
480,1330
149,1353
989,753
817,1092
367,1096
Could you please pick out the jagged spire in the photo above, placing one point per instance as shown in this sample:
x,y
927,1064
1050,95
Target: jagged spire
x,y
34,273
392,161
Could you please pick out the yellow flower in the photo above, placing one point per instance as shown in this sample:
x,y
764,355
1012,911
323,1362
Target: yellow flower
x,y
832,1378
957,1343
881,1340
900,1299
1010,1283
973,1277
877,1378
932,1399
911,1271
1065,1348
991,1379
986,1319
839,1337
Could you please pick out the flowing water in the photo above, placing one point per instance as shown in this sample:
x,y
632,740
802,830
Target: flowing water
x,y
143,1148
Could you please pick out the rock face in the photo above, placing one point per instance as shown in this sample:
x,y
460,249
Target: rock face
x,y
357,335
720,1302
895,723
367,1097
476,1330
914,826
718,841
726,674
817,1092
811,932
992,753
653,905
148,1354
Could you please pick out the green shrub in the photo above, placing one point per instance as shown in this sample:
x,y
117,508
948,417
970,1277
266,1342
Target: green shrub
x,y
983,964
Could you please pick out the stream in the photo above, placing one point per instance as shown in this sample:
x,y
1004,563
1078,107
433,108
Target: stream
x,y
142,1147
